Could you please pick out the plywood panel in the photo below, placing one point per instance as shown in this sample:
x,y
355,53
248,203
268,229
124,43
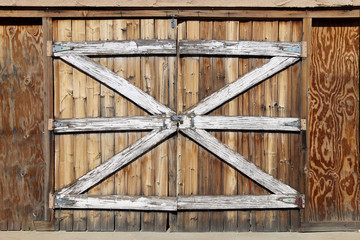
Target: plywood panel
x,y
334,122
22,163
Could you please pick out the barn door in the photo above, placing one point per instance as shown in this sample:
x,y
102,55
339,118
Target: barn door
x,y
187,124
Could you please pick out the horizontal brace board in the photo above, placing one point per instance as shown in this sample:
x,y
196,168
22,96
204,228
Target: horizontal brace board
x,y
152,203
273,201
242,123
118,161
187,47
101,48
237,161
144,203
111,124
241,48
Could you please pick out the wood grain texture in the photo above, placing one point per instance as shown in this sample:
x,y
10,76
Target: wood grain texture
x,y
334,122
80,146
93,141
22,163
182,3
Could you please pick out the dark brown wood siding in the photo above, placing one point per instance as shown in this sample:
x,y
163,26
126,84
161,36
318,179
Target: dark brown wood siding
x,y
334,122
22,163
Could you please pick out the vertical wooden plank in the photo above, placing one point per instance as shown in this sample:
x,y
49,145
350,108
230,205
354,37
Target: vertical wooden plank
x,y
107,139
231,109
80,148
180,139
244,184
3,149
256,97
270,145
334,121
172,142
134,169
148,80
121,140
66,142
217,184
284,80
205,89
93,139
56,114
304,135
295,167
191,80
48,144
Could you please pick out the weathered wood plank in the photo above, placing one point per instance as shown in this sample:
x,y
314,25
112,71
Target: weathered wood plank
x,y
240,48
116,202
107,139
278,201
116,162
148,83
80,144
93,89
66,142
151,203
109,48
130,123
121,140
185,13
241,123
249,80
154,4
231,109
118,84
237,161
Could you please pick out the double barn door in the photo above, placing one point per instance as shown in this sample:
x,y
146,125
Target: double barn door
x,y
158,119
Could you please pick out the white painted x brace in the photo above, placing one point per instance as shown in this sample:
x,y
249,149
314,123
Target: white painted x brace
x,y
164,122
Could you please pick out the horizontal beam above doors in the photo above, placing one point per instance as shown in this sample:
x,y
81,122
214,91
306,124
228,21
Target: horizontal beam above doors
x,y
186,47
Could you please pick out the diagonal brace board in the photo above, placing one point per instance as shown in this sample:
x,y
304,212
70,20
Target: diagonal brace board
x,y
117,83
237,161
117,162
275,65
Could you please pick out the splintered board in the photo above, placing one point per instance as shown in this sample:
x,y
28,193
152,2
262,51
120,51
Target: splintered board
x,y
334,122
22,163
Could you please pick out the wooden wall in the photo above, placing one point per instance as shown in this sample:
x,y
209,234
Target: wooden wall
x,y
334,122
177,166
22,165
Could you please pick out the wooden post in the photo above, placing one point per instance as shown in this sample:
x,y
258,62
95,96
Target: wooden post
x,y
295,167
304,109
48,141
